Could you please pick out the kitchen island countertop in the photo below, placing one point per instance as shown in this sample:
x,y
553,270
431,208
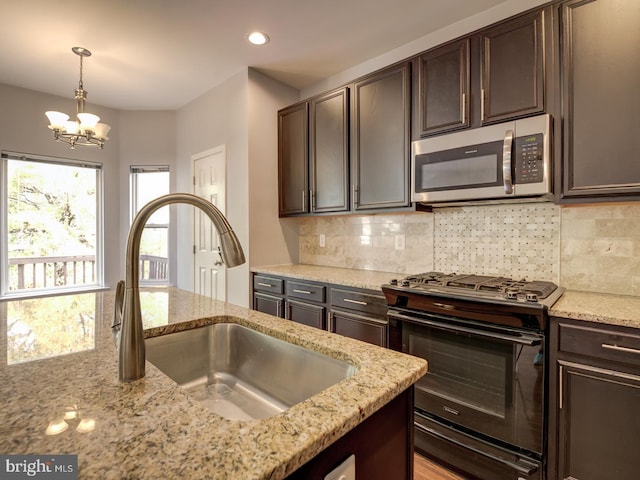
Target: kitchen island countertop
x,y
62,371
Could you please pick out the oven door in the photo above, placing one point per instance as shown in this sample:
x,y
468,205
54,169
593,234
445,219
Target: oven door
x,y
487,379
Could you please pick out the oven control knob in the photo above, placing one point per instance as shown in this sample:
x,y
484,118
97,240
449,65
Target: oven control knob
x,y
406,283
512,295
393,281
532,297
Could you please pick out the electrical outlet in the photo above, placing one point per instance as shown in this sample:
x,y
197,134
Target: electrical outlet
x,y
322,240
400,241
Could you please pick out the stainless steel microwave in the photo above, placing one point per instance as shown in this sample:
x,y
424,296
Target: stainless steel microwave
x,y
510,160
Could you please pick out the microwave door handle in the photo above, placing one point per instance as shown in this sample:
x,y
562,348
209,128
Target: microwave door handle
x,y
506,162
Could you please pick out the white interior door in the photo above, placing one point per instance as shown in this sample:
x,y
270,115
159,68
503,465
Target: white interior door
x,y
209,182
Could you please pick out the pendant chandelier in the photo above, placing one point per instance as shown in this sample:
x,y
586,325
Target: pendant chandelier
x,y
85,130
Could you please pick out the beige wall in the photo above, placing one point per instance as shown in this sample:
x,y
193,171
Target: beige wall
x,y
272,240
218,117
146,138
593,248
241,114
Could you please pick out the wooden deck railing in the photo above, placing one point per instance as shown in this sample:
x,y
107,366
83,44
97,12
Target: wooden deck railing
x,y
153,269
50,272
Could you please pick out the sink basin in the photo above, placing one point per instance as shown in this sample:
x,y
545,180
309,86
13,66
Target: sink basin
x,y
242,374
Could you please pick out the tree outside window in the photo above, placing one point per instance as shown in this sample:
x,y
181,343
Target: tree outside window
x,y
51,211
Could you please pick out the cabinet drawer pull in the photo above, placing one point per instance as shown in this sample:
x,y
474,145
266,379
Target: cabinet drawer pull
x,y
620,349
451,410
463,108
357,302
306,292
268,285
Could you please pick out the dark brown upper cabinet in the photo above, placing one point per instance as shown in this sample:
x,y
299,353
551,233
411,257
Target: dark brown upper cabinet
x,y
380,139
512,68
329,152
293,162
441,89
490,76
600,72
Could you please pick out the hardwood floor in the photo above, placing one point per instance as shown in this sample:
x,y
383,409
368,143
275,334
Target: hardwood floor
x,y
424,469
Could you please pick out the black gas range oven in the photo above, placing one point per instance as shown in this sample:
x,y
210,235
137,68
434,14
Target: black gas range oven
x,y
481,408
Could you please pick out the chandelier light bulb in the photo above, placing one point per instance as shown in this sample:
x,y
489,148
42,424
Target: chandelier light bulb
x,y
56,119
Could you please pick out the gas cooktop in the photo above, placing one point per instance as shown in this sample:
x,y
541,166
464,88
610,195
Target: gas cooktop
x,y
479,286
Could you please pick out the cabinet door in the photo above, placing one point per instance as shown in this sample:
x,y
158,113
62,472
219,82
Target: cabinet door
x,y
601,100
306,313
360,327
380,139
268,304
293,160
599,424
442,89
329,152
512,69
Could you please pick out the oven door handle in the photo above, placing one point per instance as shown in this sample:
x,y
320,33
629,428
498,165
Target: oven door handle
x,y
529,340
525,469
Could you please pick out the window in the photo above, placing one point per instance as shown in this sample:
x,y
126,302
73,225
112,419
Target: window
x,y
148,183
51,219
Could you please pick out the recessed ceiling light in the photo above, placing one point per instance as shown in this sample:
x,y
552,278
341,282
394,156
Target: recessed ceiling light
x,y
258,38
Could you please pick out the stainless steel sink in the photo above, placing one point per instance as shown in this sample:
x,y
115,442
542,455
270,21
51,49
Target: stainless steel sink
x,y
242,374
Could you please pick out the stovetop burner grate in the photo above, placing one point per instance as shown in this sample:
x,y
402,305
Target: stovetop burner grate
x,y
468,284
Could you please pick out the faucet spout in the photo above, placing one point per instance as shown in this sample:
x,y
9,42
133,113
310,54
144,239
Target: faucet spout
x,y
131,352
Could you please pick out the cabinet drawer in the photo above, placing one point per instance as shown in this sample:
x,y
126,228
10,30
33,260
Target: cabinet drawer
x,y
262,283
360,327
306,313
358,301
307,291
603,343
265,303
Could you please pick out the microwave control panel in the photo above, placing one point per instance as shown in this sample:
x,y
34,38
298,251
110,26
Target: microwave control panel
x,y
529,165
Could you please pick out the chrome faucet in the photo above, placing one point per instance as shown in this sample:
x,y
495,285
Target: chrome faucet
x,y
127,318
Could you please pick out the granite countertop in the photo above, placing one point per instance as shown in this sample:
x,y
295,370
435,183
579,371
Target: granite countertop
x,y
602,308
605,308
367,279
60,370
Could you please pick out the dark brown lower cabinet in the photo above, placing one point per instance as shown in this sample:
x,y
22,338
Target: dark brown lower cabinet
x,y
359,314
595,397
306,313
599,423
365,328
353,312
382,446
270,304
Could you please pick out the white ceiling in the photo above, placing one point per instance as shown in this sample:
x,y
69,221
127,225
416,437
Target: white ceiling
x,y
161,54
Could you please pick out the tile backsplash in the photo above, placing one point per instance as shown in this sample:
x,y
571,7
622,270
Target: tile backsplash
x,y
519,241
591,248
